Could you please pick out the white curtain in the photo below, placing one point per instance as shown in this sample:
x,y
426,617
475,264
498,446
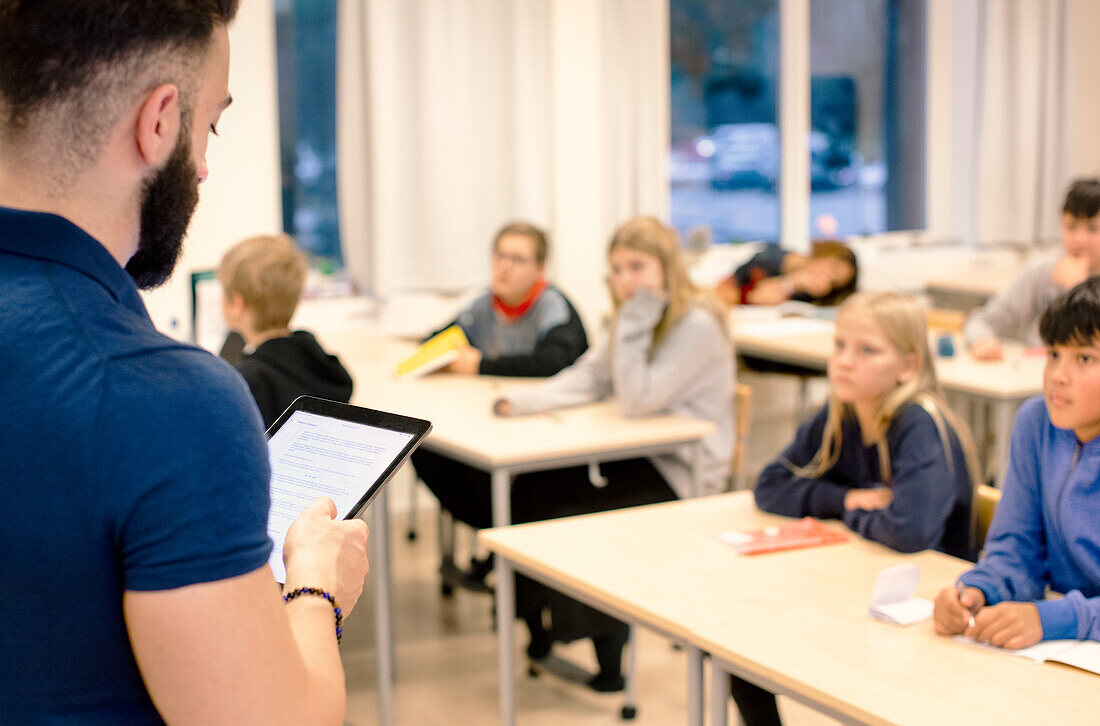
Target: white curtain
x,y
455,116
1032,122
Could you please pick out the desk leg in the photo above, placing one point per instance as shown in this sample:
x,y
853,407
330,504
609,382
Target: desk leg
x,y
383,599
719,694
1003,412
695,686
697,469
506,601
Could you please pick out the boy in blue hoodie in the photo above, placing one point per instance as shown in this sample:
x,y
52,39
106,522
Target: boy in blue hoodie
x,y
1046,532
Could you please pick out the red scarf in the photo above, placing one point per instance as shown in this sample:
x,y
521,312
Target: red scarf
x,y
512,313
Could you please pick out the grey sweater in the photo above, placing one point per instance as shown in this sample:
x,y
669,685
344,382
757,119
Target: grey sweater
x,y
690,373
1015,311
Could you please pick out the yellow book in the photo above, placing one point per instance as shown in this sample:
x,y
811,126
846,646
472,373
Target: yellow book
x,y
433,354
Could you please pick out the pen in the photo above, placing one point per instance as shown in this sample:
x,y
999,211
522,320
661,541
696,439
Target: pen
x,y
960,587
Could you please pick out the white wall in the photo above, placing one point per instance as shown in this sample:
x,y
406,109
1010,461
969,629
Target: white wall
x,y
242,196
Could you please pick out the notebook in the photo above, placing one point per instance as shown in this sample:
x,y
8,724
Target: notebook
x,y
806,532
433,354
1083,654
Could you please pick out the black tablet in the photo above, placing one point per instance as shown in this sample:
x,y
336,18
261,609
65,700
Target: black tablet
x,y
322,448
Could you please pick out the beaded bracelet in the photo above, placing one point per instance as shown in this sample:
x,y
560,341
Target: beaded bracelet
x,y
320,593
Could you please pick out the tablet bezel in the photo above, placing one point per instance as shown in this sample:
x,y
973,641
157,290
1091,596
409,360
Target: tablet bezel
x,y
419,429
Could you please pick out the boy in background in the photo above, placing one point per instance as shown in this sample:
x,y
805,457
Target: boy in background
x,y
262,280
1014,312
521,325
1046,532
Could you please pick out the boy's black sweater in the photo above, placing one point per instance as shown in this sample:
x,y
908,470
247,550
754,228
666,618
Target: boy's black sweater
x,y
281,369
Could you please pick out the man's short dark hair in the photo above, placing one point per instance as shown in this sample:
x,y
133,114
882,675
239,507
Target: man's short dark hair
x,y
80,57
1074,317
531,232
1083,199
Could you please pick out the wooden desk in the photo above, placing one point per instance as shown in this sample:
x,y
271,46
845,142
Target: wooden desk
x,y
464,428
1003,384
818,645
794,622
653,566
662,567
966,292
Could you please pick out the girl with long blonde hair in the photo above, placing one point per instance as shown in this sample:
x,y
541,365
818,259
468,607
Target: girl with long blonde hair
x,y
665,351
886,455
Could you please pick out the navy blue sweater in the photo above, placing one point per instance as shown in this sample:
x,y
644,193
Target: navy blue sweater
x,y
931,507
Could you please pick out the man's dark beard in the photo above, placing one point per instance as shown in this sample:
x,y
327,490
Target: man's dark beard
x,y
168,201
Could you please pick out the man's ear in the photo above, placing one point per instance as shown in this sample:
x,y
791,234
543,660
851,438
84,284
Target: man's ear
x,y
158,124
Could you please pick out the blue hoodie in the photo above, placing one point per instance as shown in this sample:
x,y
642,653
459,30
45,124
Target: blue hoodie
x,y
1047,528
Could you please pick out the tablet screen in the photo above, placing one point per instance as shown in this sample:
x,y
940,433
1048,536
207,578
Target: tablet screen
x,y
314,456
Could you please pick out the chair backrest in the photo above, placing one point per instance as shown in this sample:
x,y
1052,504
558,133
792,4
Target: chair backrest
x,y
742,415
948,321
986,499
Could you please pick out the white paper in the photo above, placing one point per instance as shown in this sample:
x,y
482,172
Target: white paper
x,y
892,599
1083,654
314,456
784,328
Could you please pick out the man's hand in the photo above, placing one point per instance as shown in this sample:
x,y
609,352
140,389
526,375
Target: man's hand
x,y
468,362
952,612
869,499
1011,625
987,349
321,551
1070,270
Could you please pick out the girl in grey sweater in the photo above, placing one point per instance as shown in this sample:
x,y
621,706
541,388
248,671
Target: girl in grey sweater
x,y
666,351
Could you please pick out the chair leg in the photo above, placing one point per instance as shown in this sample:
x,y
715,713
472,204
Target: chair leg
x,y
446,527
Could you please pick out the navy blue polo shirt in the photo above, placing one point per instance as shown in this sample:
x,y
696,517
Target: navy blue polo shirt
x,y
128,461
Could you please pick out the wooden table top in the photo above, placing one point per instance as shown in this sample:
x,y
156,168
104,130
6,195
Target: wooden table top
x,y
460,409
797,619
1019,375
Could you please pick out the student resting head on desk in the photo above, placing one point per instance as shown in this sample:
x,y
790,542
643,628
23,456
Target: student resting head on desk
x,y
1014,312
885,454
1046,531
262,280
133,537
666,351
827,276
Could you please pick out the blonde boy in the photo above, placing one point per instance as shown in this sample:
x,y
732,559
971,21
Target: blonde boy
x,y
262,280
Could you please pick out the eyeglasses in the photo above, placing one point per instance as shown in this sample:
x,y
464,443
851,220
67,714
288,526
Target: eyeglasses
x,y
502,258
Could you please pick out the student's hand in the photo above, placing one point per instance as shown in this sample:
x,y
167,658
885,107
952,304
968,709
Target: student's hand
x,y
321,551
729,291
770,291
951,614
1011,625
987,349
869,499
468,362
811,280
1070,270
643,310
502,407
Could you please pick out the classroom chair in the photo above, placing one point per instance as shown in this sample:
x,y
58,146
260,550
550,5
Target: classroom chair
x,y
742,416
986,499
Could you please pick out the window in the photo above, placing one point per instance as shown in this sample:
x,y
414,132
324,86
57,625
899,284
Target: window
x,y
724,156
306,44
866,139
866,116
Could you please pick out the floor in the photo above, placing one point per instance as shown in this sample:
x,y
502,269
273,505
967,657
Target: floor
x,y
447,652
